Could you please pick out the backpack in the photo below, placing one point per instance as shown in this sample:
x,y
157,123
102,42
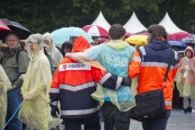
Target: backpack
x,y
18,51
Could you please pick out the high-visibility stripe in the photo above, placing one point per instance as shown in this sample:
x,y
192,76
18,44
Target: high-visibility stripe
x,y
168,103
55,103
77,88
79,112
74,66
104,78
136,59
143,51
176,56
54,90
155,64
118,83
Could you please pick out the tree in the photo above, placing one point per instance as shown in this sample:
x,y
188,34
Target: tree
x,y
48,15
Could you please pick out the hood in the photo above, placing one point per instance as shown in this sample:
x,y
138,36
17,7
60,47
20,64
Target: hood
x,y
159,45
80,44
189,48
118,44
47,37
37,40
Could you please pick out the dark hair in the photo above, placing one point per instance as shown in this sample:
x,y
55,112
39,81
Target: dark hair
x,y
116,31
22,45
157,32
8,34
67,45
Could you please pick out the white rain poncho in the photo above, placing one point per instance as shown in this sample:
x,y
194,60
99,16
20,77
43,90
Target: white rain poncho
x,y
53,52
35,110
5,85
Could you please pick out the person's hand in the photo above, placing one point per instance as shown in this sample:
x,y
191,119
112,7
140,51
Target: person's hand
x,y
55,111
68,54
104,72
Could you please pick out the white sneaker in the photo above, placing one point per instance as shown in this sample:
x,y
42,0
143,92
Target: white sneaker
x,y
193,110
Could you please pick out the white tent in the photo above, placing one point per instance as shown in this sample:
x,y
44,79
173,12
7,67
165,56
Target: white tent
x,y
133,25
169,25
101,21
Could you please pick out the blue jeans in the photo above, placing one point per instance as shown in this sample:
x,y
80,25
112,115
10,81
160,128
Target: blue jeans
x,y
157,124
14,100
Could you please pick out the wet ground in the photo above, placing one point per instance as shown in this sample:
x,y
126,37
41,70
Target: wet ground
x,y
177,121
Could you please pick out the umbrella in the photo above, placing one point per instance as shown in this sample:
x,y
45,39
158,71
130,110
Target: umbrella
x,y
95,31
127,34
137,40
4,29
64,34
177,36
178,45
3,26
17,28
189,39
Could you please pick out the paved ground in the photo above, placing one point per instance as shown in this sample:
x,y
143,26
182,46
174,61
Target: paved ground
x,y
177,121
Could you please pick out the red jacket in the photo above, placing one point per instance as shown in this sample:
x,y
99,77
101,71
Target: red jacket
x,y
73,84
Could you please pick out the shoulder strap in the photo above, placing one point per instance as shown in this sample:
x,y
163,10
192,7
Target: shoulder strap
x,y
167,72
168,68
140,53
17,55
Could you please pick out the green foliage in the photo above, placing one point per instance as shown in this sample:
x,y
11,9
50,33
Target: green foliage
x,y
48,15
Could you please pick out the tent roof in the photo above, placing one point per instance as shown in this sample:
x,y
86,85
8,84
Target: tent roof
x,y
133,25
169,25
101,21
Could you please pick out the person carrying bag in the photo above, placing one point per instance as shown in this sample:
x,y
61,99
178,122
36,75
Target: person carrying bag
x,y
155,65
150,104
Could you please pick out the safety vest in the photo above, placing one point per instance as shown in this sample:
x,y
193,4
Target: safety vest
x,y
72,85
150,68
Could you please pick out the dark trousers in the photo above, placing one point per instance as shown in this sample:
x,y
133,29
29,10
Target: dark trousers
x,y
90,123
14,100
177,100
157,124
114,119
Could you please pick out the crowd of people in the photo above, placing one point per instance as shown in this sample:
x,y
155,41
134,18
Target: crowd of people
x,y
43,86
